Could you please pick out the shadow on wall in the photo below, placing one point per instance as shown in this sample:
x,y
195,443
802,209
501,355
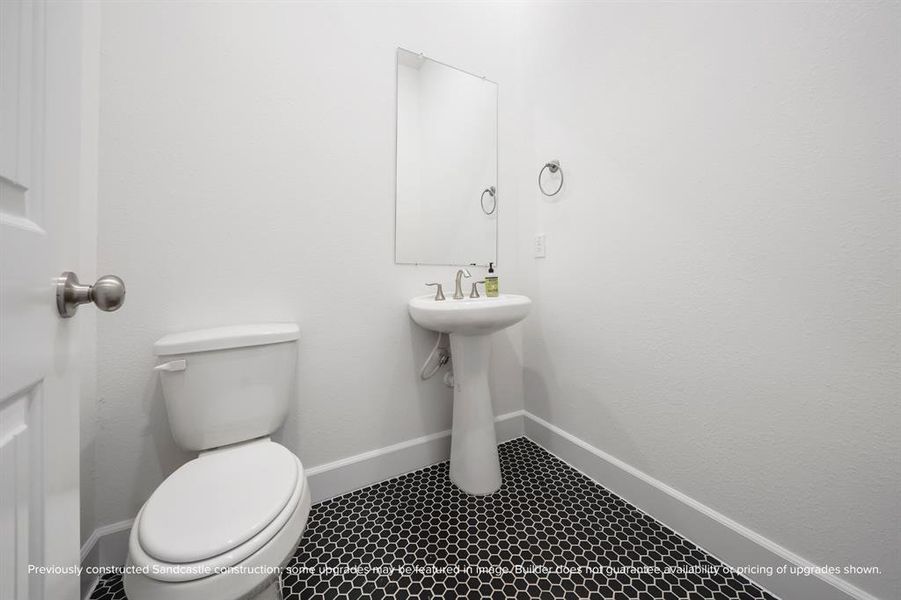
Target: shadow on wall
x,y
160,453
544,393
292,418
506,391
86,456
421,343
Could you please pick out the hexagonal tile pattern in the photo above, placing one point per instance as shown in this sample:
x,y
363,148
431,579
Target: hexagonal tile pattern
x,y
549,532
109,587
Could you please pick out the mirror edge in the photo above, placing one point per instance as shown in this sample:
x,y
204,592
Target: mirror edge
x,y
497,161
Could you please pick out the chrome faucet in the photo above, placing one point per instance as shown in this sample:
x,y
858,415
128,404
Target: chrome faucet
x,y
458,291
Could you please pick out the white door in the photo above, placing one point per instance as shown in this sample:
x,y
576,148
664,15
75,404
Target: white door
x,y
42,178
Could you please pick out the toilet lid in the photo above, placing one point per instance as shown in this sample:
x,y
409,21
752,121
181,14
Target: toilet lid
x,y
217,502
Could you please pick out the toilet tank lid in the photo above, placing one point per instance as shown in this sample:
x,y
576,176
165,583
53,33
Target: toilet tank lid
x,y
223,338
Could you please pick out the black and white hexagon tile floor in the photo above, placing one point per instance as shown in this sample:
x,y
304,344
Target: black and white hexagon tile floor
x,y
549,532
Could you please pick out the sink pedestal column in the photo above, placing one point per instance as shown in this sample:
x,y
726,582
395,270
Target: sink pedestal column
x,y
474,465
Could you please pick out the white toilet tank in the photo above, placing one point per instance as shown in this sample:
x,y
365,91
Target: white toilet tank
x,y
228,384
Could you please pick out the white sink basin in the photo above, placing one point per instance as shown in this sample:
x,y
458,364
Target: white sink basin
x,y
470,316
474,467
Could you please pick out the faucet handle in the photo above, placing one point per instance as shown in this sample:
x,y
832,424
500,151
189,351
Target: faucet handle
x,y
439,295
475,290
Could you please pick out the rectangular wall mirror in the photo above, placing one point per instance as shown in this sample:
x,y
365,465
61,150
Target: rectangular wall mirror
x,y
447,201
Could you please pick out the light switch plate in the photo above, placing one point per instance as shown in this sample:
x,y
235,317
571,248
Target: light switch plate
x,y
540,246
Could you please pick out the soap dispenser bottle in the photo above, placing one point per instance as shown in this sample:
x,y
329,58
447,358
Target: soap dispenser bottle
x,y
491,286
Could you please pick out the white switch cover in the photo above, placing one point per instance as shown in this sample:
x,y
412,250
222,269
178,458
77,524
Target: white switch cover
x,y
540,250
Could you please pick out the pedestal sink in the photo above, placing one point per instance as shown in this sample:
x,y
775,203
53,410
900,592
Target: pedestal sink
x,y
474,466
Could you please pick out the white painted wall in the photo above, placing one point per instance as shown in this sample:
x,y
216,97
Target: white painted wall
x,y
247,174
719,306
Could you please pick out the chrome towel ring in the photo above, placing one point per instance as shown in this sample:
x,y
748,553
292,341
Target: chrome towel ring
x,y
553,167
491,191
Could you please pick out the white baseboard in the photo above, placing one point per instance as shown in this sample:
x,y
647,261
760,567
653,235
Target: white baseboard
x,y
729,541
348,474
107,546
717,534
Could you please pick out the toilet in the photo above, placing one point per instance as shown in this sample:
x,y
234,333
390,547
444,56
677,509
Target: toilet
x,y
223,524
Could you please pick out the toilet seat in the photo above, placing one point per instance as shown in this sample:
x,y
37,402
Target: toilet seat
x,y
178,537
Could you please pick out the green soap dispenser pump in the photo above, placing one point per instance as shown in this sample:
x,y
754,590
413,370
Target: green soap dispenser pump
x,y
491,286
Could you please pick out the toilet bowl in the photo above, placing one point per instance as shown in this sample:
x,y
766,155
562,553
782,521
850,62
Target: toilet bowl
x,y
224,524
220,526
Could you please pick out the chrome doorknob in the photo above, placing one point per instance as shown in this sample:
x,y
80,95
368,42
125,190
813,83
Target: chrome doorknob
x,y
107,293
